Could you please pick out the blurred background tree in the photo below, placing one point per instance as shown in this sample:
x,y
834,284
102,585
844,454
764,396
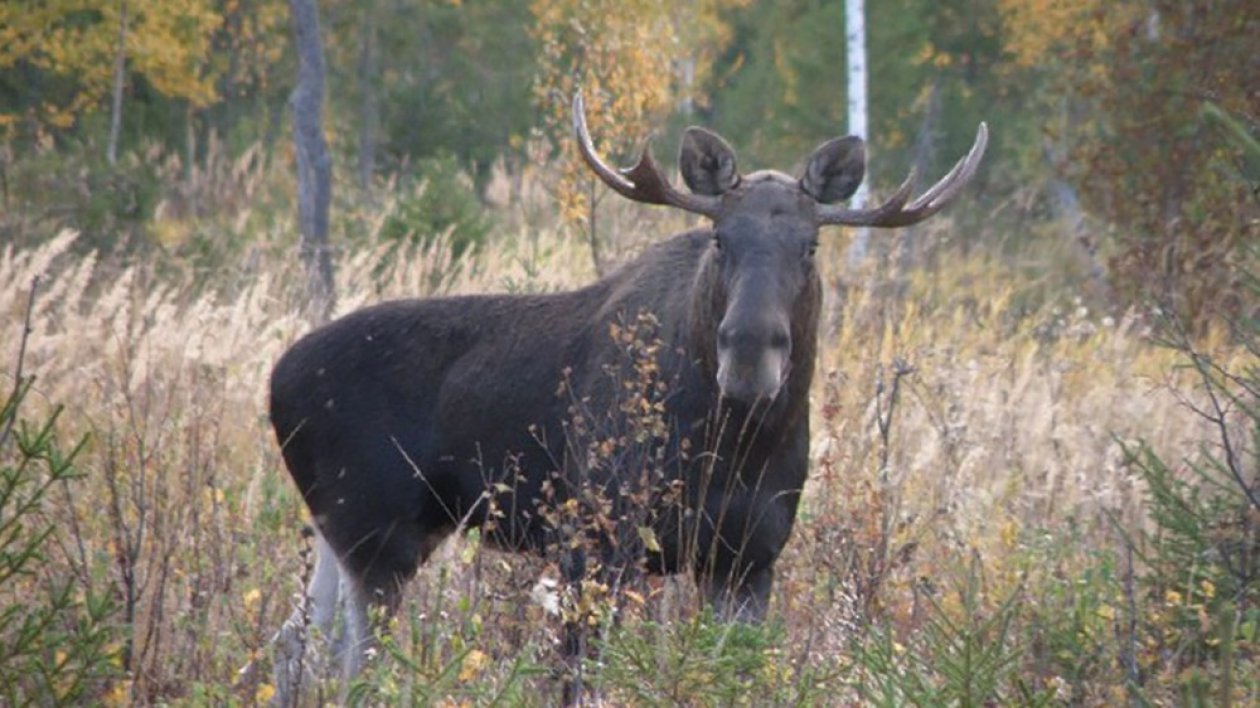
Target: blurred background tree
x,y
1132,81
633,62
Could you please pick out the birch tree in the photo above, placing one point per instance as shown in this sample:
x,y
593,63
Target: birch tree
x,y
855,41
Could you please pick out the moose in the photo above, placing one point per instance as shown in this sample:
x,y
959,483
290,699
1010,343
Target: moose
x,y
406,421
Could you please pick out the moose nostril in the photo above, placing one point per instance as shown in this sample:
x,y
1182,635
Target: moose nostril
x,y
780,340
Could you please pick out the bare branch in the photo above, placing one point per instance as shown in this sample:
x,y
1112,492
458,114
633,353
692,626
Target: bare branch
x,y
18,380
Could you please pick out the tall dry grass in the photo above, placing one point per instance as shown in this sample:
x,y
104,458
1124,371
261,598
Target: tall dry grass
x,y
1002,444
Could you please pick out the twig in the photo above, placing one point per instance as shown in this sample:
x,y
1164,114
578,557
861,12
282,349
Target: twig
x,y
1204,367
883,419
17,374
1128,650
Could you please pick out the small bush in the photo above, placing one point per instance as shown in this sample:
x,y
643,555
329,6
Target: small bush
x,y
58,644
439,198
1198,602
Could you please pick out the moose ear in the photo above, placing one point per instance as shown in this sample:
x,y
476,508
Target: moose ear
x,y
707,162
835,170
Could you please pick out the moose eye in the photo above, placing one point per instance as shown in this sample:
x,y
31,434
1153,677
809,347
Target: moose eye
x,y
812,248
717,241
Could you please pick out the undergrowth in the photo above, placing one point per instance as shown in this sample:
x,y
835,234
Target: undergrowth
x,y
1015,498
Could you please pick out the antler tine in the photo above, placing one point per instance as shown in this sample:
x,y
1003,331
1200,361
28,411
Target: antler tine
x,y
642,183
895,211
608,175
957,178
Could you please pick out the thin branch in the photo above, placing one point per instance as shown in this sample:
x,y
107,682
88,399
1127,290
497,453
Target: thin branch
x,y
21,359
1218,414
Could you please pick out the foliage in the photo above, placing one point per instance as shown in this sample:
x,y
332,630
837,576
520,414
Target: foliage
x,y
1202,554
59,641
780,86
452,80
72,46
441,203
632,62
112,207
967,660
1134,78
700,661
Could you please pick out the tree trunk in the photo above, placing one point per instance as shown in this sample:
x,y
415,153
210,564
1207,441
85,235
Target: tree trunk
x,y
1067,210
855,56
1067,205
120,64
924,161
369,67
313,166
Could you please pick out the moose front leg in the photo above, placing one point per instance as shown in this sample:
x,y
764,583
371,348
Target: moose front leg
x,y
742,596
742,535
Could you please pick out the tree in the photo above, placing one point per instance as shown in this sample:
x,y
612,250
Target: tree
x,y
1137,142
313,165
58,61
624,57
422,82
855,55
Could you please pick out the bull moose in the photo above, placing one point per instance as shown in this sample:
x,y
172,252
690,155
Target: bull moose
x,y
405,421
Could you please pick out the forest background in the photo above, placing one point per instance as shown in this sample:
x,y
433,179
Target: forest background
x,y
1038,417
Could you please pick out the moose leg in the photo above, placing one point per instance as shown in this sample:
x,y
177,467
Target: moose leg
x,y
742,598
318,610
325,588
740,542
575,632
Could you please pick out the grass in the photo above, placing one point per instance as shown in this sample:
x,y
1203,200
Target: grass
x,y
966,536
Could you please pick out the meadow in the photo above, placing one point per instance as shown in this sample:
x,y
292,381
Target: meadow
x,y
1020,494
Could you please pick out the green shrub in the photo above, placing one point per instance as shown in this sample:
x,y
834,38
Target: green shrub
x,y
1198,606
57,642
438,202
112,206
968,656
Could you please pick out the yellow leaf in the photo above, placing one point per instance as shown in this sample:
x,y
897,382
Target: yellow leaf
x,y
648,535
474,662
251,599
118,694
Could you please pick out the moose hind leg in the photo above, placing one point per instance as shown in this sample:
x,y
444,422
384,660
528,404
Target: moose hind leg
x,y
318,609
376,573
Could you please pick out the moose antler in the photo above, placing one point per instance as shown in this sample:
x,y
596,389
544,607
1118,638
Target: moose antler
x,y
642,183
895,211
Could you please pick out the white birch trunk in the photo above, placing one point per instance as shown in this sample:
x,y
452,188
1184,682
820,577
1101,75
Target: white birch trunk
x,y
855,54
120,65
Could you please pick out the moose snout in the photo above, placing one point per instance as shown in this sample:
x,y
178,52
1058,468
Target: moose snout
x,y
752,360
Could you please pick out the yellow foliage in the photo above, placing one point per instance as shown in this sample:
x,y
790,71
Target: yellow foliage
x,y
623,57
168,42
264,694
119,694
474,663
1035,29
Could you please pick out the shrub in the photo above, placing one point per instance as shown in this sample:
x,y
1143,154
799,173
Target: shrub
x,y
437,200
58,644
